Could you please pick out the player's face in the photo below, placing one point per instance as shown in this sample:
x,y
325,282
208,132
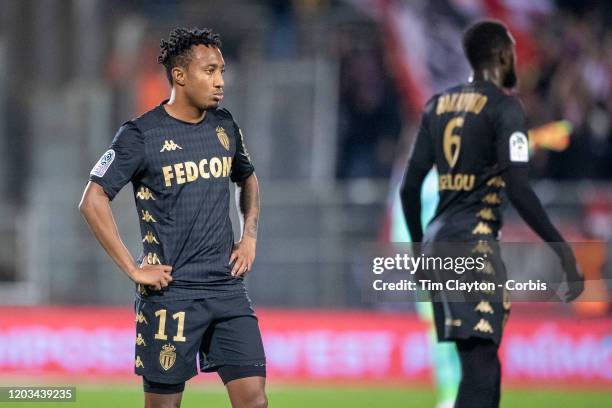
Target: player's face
x,y
510,79
204,77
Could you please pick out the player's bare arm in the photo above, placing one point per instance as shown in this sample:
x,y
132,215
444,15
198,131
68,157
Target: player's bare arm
x,y
95,208
247,201
529,207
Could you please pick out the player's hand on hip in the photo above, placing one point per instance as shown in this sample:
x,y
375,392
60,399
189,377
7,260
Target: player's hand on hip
x,y
243,256
155,276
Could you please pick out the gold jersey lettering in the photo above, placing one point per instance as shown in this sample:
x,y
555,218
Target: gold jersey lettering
x,y
191,171
472,102
188,172
227,166
457,182
215,167
180,173
168,176
202,167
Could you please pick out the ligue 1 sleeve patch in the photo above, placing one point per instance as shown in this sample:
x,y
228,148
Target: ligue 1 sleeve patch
x,y
519,147
103,164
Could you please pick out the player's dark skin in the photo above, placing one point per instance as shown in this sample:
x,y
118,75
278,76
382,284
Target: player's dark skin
x,y
196,87
502,72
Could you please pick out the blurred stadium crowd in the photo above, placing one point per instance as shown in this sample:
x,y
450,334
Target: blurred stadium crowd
x,y
571,78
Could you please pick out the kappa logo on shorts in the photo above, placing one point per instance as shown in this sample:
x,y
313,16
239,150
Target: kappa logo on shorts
x,y
167,356
452,322
138,362
483,326
482,247
169,145
223,137
103,164
507,304
140,341
487,268
147,217
484,307
142,290
141,319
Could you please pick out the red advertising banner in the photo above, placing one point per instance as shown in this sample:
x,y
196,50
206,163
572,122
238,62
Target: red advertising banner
x,y
309,345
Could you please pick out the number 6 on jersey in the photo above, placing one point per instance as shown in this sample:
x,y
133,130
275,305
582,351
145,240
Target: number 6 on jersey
x,y
452,140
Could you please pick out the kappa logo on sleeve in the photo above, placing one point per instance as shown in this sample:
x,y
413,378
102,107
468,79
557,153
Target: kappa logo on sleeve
x,y
103,164
519,147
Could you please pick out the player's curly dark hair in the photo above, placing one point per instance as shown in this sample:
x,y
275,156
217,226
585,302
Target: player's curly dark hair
x,y
483,40
176,51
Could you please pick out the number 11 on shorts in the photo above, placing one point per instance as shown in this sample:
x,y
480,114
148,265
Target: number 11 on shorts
x,y
161,331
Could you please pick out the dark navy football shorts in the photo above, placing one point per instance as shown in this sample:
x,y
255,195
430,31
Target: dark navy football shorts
x,y
461,315
219,331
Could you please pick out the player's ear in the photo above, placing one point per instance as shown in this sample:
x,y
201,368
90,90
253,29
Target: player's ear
x,y
178,75
505,57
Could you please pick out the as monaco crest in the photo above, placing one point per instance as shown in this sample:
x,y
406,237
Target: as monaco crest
x,y
167,356
223,137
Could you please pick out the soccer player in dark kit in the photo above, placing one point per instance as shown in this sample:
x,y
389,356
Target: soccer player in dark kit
x,y
190,300
475,135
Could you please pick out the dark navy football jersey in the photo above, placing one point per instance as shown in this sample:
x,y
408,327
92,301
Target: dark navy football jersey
x,y
180,174
471,133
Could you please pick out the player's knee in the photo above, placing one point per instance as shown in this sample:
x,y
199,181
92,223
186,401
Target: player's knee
x,y
252,399
260,400
162,403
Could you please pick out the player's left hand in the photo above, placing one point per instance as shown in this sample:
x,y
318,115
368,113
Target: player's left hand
x,y
243,256
573,275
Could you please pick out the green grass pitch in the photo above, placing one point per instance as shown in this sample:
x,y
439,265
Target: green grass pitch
x,y
323,397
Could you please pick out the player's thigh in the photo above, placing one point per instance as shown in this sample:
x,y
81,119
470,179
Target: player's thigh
x,y
234,341
168,336
248,392
155,400
234,338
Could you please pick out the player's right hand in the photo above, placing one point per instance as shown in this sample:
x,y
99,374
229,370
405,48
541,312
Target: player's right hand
x,y
573,276
155,276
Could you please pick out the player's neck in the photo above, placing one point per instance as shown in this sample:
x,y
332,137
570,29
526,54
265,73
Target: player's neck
x,y
179,108
487,74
